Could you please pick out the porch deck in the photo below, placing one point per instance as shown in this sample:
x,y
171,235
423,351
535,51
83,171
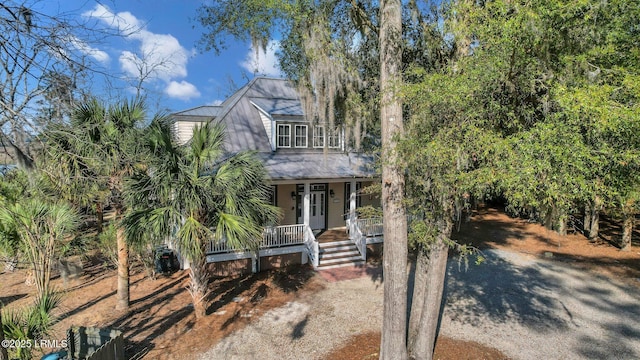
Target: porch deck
x,y
333,247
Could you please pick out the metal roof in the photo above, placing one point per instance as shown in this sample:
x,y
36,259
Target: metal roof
x,y
205,111
240,115
273,107
318,165
245,130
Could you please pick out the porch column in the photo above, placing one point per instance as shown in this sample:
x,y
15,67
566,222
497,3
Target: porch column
x,y
352,200
306,204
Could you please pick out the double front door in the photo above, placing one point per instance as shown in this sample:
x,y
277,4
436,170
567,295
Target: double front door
x,y
317,206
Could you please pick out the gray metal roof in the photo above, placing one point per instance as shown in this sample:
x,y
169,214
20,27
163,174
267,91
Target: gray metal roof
x,y
205,111
287,107
245,130
318,166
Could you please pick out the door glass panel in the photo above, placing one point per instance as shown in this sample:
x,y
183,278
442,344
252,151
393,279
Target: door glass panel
x,y
322,204
313,204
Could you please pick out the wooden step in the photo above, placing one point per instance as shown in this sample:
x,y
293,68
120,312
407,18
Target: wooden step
x,y
352,261
338,254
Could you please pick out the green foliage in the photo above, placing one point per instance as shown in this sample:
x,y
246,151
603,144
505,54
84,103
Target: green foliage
x,y
106,243
42,227
194,194
30,323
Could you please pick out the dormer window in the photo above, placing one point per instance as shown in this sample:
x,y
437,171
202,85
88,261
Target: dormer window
x,y
333,137
318,136
284,136
300,136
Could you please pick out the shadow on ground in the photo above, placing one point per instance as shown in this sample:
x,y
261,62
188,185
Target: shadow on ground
x,y
547,297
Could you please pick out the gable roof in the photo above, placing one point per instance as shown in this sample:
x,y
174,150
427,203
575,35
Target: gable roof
x,y
245,130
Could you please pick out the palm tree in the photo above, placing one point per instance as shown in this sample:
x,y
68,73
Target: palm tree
x,y
41,227
94,154
195,194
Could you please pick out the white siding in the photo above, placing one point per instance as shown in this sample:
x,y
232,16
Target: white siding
x,y
183,130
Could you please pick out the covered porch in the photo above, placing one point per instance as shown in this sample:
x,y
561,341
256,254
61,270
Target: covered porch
x,y
317,193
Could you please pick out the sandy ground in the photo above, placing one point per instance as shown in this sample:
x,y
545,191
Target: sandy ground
x,y
526,307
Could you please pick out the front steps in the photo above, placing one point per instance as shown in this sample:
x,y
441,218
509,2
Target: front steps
x,y
334,254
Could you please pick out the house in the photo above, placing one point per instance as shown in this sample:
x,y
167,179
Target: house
x,y
316,180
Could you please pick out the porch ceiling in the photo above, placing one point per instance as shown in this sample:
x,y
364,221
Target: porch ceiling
x,y
318,166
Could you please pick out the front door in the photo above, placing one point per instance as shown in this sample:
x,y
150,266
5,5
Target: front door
x,y
317,210
317,205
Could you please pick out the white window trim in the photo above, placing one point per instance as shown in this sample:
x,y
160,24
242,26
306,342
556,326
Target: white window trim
x,y
278,135
315,137
337,132
295,136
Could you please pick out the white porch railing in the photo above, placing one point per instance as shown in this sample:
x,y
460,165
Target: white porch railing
x,y
272,237
370,227
276,236
313,249
219,247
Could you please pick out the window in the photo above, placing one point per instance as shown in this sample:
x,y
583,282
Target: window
x,y
301,136
284,136
333,137
318,136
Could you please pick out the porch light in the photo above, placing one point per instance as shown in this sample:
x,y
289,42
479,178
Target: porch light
x,y
293,195
332,194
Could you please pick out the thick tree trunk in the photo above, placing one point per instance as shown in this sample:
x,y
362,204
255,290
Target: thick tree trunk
x,y
562,224
123,269
417,300
424,345
594,229
627,230
586,224
594,222
3,350
394,315
199,287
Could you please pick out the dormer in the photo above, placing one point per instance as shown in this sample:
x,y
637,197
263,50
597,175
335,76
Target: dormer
x,y
287,128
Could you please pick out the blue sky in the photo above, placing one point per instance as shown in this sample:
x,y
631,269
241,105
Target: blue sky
x,y
162,35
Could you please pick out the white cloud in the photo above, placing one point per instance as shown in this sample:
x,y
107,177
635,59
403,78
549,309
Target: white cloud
x,y
261,62
125,22
182,90
159,56
86,49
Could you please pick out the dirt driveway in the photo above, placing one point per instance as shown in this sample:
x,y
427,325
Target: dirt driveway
x,y
531,308
526,307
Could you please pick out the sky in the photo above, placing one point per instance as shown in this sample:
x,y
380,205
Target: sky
x,y
161,37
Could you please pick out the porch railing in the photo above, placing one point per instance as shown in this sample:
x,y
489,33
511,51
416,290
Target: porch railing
x,y
313,249
276,236
370,227
357,237
272,237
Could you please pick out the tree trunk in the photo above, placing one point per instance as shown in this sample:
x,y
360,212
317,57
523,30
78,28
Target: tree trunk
x,y
562,224
627,230
417,300
123,268
394,315
594,230
430,317
586,224
4,355
198,287
99,217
